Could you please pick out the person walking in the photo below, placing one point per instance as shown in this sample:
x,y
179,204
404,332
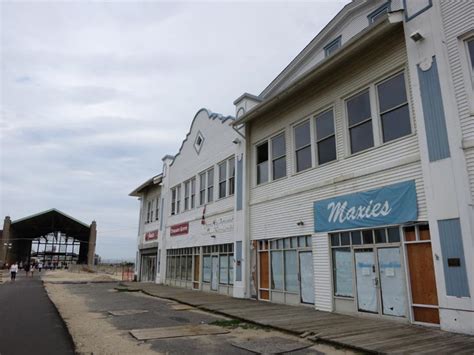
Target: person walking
x,y
40,266
13,271
26,267
32,269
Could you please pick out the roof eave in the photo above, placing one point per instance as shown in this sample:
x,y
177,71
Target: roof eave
x,y
155,180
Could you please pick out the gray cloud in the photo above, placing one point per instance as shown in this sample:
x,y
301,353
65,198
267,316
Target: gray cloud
x,y
93,94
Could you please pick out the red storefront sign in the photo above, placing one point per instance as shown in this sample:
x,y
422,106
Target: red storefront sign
x,y
179,229
151,235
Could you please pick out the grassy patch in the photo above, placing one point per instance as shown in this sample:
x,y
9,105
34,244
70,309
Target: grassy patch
x,y
235,323
124,289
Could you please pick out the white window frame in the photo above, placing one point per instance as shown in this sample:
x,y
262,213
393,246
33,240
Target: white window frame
x,y
222,181
193,193
178,199
314,136
272,160
231,179
268,140
374,111
311,137
186,195
211,184
379,114
202,177
173,201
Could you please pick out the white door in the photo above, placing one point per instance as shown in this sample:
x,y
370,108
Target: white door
x,y
392,282
366,279
215,273
306,277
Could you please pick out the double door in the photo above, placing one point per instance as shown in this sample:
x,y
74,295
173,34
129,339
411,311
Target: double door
x,y
380,281
148,268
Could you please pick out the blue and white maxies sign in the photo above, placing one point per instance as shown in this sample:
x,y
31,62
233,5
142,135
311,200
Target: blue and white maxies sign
x,y
393,204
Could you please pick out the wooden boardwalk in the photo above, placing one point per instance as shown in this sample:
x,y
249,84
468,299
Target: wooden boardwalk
x,y
367,335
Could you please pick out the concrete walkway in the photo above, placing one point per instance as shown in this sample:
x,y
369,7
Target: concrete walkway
x,y
368,335
29,322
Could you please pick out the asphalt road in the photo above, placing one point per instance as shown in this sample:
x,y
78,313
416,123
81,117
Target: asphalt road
x,y
29,322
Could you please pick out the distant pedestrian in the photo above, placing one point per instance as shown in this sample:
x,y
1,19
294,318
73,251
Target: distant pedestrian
x,y
13,271
26,267
32,269
40,266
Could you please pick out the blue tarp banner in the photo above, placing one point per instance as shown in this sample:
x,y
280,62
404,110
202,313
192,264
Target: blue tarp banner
x,y
393,204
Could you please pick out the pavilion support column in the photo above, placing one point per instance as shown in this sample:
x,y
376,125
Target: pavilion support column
x,y
92,240
5,240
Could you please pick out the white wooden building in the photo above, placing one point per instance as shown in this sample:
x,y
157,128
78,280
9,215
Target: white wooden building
x,y
360,156
147,260
202,239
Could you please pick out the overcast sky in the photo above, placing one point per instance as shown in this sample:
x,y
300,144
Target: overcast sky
x,y
94,94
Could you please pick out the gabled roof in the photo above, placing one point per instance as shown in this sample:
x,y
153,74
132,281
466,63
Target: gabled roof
x,y
52,220
155,180
316,44
212,116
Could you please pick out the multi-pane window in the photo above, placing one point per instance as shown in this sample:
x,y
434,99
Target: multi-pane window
x,y
193,192
202,188
231,176
278,157
360,122
379,12
173,200
393,108
332,46
222,179
178,198
148,211
262,163
157,208
284,262
210,185
150,205
303,146
186,195
180,263
225,256
325,137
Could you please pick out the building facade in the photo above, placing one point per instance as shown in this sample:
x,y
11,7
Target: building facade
x,y
354,175
203,242
147,259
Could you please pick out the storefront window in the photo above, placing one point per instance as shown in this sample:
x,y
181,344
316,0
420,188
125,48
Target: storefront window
x,y
342,253
277,270
223,269
189,268
206,268
231,269
291,271
342,266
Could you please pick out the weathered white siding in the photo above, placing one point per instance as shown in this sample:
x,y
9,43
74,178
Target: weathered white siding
x,y
217,147
322,273
458,22
276,207
151,194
